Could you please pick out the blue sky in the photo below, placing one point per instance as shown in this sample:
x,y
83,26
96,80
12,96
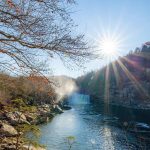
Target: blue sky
x,y
127,19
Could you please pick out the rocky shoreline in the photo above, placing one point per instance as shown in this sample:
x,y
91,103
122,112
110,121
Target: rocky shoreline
x,y
10,120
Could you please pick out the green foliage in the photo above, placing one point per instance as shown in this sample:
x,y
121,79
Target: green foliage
x,y
70,141
25,128
71,138
30,135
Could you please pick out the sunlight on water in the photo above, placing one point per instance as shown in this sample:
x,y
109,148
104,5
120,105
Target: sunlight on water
x,y
108,142
85,123
66,123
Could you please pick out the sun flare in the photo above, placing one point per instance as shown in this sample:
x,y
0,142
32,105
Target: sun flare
x,y
109,47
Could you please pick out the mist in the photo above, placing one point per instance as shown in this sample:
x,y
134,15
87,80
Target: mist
x,y
64,86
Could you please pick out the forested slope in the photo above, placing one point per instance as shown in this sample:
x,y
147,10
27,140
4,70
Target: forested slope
x,y
124,81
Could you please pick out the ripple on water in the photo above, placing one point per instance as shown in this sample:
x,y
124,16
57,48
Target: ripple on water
x,y
89,131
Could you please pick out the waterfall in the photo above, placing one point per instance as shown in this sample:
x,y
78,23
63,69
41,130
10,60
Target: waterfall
x,y
77,98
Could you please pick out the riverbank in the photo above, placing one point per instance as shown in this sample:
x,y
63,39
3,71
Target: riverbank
x,y
14,123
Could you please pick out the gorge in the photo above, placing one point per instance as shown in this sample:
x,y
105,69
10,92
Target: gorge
x,y
105,108
71,76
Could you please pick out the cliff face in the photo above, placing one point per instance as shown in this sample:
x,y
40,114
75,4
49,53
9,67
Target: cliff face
x,y
125,81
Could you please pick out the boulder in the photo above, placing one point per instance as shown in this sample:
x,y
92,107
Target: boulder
x,y
57,109
16,117
7,130
66,107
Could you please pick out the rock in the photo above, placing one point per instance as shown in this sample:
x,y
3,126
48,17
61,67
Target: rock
x,y
46,106
41,119
16,117
66,107
10,147
7,146
57,109
41,111
44,109
31,117
44,118
7,130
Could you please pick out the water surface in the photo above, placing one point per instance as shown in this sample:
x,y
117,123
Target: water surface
x,y
85,122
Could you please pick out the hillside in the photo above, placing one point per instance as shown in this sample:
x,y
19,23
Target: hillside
x,y
125,81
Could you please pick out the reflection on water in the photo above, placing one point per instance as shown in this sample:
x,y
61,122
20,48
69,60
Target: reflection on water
x,y
109,142
85,123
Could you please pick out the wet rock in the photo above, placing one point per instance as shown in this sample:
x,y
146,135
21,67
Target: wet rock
x,y
57,109
66,107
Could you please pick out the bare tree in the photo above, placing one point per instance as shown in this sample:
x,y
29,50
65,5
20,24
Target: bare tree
x,y
32,31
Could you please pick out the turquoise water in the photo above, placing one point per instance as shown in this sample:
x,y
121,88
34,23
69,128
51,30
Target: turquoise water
x,y
85,122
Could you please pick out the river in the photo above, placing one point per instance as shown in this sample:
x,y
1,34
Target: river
x,y
85,122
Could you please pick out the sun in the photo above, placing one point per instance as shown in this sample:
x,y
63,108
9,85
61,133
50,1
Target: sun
x,y
110,44
109,47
